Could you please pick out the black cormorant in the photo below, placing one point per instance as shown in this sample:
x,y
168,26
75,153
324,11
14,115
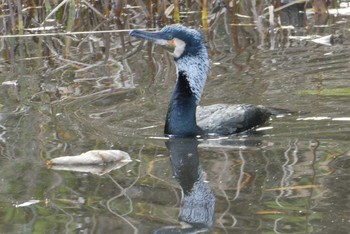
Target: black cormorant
x,y
184,118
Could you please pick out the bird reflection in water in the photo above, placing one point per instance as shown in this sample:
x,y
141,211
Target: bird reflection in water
x,y
198,201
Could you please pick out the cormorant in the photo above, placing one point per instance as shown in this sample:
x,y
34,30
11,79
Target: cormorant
x,y
184,118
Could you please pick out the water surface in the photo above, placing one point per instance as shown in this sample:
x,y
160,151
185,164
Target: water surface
x,y
292,177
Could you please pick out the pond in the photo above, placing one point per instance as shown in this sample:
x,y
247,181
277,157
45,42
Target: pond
x,y
66,95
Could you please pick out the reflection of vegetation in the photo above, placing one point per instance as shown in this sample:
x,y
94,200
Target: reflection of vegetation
x,y
292,217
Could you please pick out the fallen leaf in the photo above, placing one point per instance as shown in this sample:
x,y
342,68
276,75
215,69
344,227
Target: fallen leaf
x,y
97,162
326,92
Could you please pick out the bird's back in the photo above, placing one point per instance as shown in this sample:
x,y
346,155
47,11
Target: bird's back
x,y
225,119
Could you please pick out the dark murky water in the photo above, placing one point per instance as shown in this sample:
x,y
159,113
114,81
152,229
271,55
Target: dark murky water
x,y
293,178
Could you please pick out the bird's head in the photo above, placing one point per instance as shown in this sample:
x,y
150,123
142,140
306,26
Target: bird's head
x,y
189,51
177,39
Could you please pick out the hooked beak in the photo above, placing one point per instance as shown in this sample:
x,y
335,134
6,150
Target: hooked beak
x,y
159,38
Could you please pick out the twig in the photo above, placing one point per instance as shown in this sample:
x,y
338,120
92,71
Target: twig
x,y
54,11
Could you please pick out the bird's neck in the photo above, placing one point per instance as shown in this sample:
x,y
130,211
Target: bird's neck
x,y
181,116
192,72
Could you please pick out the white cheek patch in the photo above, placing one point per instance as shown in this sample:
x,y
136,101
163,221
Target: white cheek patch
x,y
179,47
